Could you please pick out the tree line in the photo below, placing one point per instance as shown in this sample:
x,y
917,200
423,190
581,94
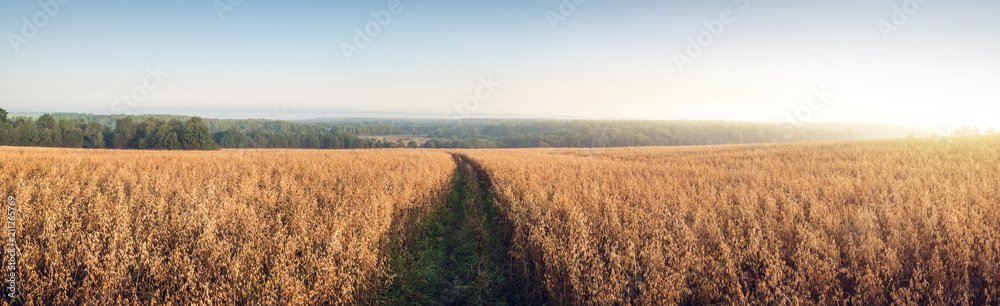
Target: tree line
x,y
533,133
171,133
214,125
129,134
492,133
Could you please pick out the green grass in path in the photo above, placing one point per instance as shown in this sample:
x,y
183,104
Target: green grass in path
x,y
457,257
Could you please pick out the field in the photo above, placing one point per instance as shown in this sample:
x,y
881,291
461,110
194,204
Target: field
x,y
862,223
911,221
394,138
262,227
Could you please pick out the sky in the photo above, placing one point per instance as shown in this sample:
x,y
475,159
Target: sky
x,y
912,62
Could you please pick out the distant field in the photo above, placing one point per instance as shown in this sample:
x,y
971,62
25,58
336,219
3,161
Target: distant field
x,y
16,116
393,138
862,223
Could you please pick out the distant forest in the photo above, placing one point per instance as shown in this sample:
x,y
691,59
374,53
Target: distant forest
x,y
159,132
169,132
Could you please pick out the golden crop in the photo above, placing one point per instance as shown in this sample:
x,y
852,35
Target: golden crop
x,y
878,222
862,223
227,227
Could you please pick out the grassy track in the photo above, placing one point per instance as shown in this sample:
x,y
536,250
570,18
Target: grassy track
x,y
457,255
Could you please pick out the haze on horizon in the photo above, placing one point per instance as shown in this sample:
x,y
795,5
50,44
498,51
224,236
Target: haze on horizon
x,y
912,62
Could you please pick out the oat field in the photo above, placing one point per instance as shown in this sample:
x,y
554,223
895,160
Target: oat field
x,y
905,222
890,222
259,227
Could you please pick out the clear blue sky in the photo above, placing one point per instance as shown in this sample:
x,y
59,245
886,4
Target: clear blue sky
x,y
607,59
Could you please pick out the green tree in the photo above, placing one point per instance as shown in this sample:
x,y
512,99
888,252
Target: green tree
x,y
233,139
170,142
148,133
72,133
3,116
8,135
312,142
93,135
27,133
125,130
48,131
197,136
46,121
46,137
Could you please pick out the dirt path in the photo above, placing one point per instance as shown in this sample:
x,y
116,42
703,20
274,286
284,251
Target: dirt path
x,y
458,255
